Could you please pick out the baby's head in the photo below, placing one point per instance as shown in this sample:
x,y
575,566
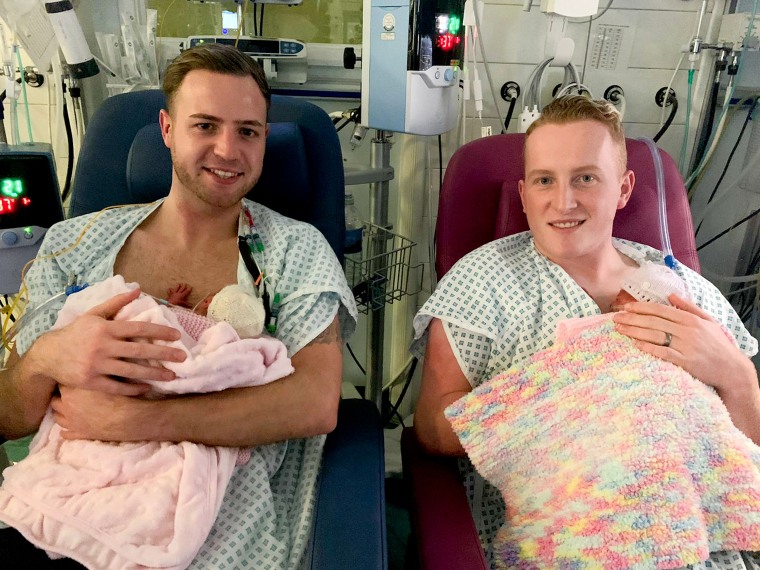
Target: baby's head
x,y
244,311
652,283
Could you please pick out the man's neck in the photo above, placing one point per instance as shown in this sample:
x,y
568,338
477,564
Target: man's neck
x,y
601,274
186,222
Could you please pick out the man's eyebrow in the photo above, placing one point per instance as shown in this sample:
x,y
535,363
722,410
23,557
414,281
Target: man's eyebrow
x,y
212,118
538,172
587,167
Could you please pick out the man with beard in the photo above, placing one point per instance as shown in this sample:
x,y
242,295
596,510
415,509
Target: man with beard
x,y
92,371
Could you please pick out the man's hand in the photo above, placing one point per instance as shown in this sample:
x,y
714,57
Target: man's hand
x,y
699,345
687,336
96,352
95,415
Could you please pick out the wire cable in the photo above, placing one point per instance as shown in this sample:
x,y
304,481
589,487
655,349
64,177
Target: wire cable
x,y
356,360
510,111
395,407
730,158
669,121
744,220
261,20
749,164
682,166
670,85
710,118
592,18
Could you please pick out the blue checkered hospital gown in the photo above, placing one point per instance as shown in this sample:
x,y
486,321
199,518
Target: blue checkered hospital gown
x,y
501,303
266,516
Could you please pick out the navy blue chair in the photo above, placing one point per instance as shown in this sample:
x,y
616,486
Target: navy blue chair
x,y
123,160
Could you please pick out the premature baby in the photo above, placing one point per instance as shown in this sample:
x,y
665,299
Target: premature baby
x,y
233,304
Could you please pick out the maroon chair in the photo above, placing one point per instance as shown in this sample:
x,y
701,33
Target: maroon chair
x,y
479,202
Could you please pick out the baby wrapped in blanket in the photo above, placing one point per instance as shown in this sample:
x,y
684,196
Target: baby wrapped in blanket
x,y
149,504
608,457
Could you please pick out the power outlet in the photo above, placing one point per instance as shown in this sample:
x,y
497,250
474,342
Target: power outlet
x,y
486,131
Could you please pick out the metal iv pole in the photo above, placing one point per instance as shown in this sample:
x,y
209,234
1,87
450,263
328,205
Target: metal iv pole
x,y
380,159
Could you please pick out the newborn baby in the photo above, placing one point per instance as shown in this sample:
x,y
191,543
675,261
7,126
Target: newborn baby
x,y
233,304
652,283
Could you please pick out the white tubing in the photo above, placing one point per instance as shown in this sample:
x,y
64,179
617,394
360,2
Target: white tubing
x,y
672,79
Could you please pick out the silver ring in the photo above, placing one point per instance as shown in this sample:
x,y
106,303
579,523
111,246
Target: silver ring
x,y
668,339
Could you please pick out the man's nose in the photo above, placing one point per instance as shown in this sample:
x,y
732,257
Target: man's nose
x,y
564,197
225,145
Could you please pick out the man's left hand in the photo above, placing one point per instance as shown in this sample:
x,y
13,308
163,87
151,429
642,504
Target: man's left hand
x,y
689,337
96,415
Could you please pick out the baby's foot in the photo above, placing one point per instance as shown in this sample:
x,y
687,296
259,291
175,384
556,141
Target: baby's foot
x,y
202,307
178,295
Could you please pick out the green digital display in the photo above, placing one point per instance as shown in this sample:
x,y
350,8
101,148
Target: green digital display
x,y
11,187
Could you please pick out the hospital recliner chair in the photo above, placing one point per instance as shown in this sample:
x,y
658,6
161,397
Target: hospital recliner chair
x,y
123,160
479,202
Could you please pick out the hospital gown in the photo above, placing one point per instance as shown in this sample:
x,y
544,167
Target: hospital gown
x,y
502,302
263,523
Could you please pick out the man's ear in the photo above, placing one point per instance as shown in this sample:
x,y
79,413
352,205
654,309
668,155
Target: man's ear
x,y
521,191
165,122
626,188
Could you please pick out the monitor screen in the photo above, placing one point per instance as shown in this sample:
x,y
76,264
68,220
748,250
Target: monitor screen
x,y
28,191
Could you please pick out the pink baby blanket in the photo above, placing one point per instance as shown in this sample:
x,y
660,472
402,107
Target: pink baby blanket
x,y
136,505
609,458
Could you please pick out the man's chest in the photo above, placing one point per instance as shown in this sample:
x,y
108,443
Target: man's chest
x,y
158,267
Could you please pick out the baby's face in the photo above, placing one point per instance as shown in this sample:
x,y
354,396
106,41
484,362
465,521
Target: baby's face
x,y
622,298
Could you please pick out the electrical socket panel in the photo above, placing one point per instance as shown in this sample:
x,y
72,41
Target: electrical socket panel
x,y
733,28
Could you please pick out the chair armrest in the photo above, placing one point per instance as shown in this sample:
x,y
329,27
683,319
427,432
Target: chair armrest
x,y
440,513
349,522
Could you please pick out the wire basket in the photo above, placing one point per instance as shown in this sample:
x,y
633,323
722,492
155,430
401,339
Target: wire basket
x,y
380,274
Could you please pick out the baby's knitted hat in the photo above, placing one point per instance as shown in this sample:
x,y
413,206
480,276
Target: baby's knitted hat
x,y
653,283
245,312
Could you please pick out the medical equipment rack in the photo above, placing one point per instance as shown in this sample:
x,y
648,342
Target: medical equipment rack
x,y
380,274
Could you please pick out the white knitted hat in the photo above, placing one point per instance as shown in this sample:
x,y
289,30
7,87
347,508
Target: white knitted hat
x,y
653,283
245,312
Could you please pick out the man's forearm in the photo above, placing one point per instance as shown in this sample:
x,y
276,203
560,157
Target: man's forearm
x,y
24,396
743,403
301,405
293,407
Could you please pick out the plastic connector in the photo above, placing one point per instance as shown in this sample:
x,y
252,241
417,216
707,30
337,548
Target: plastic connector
x,y
477,89
526,118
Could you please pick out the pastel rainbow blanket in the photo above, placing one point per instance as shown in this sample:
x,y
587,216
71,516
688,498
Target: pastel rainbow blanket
x,y
610,458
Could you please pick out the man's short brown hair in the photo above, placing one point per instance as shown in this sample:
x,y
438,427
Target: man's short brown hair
x,y
574,108
218,58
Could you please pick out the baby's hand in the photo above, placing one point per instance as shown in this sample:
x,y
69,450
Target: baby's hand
x,y
178,295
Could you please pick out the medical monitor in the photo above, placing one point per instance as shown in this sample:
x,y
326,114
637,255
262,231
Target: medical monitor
x,y
30,203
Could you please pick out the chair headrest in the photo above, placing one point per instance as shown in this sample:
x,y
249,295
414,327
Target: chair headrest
x,y
149,167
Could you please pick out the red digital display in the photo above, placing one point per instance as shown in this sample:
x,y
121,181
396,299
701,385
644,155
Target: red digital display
x,y
447,42
11,205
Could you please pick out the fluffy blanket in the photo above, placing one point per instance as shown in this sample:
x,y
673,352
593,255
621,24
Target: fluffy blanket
x,y
136,505
610,458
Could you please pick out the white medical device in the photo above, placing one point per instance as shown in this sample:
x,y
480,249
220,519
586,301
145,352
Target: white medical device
x,y
411,60
283,60
67,30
